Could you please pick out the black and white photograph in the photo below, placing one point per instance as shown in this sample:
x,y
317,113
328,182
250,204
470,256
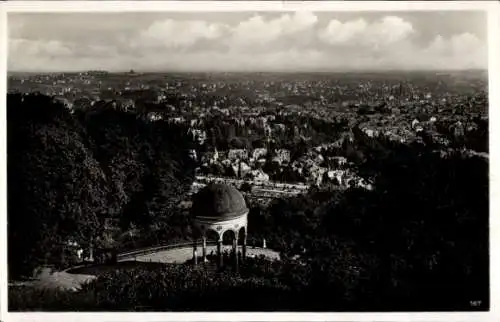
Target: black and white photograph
x,y
294,160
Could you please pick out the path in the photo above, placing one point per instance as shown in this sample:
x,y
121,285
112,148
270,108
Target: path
x,y
72,281
181,255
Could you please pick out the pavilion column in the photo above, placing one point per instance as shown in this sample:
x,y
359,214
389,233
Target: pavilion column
x,y
204,250
91,249
195,253
219,252
244,248
235,251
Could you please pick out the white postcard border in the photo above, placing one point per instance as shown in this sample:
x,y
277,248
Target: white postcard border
x,y
492,7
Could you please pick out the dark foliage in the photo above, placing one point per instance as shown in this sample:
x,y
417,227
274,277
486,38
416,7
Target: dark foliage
x,y
418,241
67,173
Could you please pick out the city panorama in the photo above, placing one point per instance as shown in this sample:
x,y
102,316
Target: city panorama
x,y
248,161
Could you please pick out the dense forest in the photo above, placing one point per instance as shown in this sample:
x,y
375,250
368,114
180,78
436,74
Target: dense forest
x,y
418,241
68,172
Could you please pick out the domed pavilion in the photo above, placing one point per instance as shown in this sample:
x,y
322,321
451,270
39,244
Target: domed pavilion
x,y
219,208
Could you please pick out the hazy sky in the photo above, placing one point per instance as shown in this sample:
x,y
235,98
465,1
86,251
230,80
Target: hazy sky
x,y
247,41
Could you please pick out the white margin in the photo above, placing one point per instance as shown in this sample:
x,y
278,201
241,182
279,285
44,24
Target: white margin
x,y
3,161
494,140
492,7
228,6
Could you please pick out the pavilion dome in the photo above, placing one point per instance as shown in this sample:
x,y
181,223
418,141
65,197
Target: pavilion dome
x,y
219,201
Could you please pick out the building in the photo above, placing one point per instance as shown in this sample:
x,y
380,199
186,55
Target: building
x,y
237,154
219,208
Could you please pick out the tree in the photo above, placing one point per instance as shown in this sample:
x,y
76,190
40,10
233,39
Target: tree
x,y
57,191
67,174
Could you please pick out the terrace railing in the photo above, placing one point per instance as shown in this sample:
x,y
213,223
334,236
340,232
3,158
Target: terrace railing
x,y
157,248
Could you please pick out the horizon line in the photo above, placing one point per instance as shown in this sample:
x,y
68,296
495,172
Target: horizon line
x,y
139,71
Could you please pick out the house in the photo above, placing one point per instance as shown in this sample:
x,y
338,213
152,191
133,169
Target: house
x,y
176,120
279,127
154,116
237,154
282,156
193,155
369,132
335,176
259,153
258,175
339,161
